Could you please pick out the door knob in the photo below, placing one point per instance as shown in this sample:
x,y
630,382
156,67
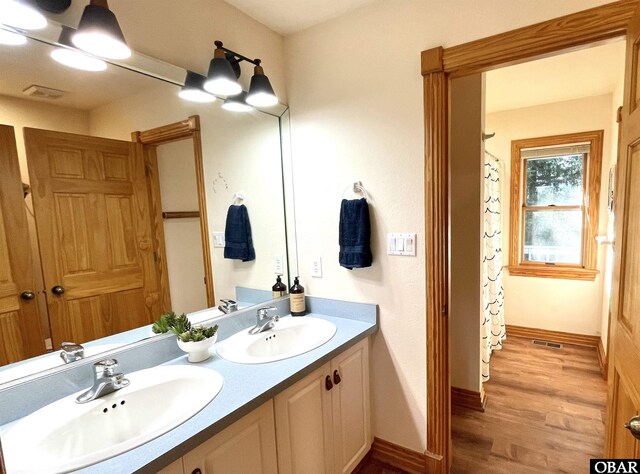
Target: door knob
x,y
57,290
634,426
27,295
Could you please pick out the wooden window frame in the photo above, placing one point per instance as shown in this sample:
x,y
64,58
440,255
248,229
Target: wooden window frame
x,y
587,269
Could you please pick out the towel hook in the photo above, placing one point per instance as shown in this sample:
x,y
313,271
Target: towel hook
x,y
239,197
356,188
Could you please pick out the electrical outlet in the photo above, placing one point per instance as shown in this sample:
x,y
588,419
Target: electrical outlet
x,y
278,265
316,267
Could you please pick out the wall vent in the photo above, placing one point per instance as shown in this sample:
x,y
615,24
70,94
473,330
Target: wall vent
x,y
43,92
553,345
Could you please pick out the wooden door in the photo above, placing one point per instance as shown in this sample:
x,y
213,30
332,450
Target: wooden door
x,y
249,445
94,231
20,332
351,407
304,426
624,361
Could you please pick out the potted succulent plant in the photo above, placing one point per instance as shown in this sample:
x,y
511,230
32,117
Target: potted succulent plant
x,y
194,340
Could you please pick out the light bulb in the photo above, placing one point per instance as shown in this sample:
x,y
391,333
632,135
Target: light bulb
x,y
101,44
78,60
18,15
196,95
262,99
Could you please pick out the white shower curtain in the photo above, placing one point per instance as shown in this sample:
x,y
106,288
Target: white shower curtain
x,y
493,330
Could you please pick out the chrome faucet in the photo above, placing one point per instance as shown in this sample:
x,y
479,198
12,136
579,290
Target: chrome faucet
x,y
105,381
228,306
71,352
264,322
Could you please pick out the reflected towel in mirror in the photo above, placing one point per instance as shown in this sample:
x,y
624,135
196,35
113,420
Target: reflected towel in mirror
x,y
355,234
237,234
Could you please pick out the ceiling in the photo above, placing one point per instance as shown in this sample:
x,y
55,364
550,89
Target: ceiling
x,y
289,16
585,73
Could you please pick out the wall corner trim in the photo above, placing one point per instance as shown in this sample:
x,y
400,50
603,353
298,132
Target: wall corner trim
x,y
399,456
464,398
432,60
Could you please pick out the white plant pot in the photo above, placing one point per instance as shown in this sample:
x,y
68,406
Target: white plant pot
x,y
198,351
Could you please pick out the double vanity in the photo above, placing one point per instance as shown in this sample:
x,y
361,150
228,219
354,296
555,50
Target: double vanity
x,y
292,398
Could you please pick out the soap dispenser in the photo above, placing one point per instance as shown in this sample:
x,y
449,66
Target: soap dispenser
x,y
298,307
279,289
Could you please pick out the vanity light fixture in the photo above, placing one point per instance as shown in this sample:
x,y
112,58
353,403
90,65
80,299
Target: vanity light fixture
x,y
193,89
99,32
222,79
237,103
260,91
69,56
11,37
18,14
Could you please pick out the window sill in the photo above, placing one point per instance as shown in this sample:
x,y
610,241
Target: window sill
x,y
565,273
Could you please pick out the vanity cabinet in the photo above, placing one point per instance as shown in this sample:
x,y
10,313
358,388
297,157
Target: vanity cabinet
x,y
323,422
249,445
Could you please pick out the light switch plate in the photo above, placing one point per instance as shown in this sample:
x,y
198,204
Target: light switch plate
x,y
278,266
399,243
316,267
218,239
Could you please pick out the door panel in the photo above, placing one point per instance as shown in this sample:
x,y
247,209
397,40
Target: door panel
x,y
624,377
20,332
94,231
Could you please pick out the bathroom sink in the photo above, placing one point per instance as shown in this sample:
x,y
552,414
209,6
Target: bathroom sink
x,y
64,435
290,336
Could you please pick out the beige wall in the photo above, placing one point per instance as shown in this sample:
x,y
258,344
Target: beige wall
x,y
466,227
355,91
554,304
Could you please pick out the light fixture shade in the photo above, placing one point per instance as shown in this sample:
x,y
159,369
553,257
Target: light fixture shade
x,y
221,80
99,34
11,38
237,103
260,91
71,57
193,89
19,15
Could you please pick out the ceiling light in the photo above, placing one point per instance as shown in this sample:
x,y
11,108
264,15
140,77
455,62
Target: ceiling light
x,y
99,32
260,91
11,37
71,57
237,103
221,80
19,15
192,89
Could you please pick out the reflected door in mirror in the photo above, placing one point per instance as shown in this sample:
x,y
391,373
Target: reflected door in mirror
x,y
94,232
20,332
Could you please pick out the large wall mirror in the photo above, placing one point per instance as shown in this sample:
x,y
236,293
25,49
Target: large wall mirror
x,y
114,195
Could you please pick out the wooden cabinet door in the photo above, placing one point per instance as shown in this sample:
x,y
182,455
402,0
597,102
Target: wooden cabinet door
x,y
249,445
94,230
351,406
624,361
304,426
20,332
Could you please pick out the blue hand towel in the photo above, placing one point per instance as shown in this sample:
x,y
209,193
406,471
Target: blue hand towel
x,y
237,235
355,234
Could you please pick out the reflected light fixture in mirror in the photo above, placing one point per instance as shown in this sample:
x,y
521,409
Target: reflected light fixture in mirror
x,y
20,15
193,90
260,91
237,103
99,32
11,37
221,79
71,57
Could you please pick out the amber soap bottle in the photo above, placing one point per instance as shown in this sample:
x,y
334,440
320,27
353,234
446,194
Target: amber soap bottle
x,y
296,298
279,289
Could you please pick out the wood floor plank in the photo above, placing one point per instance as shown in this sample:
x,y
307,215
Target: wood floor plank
x,y
545,411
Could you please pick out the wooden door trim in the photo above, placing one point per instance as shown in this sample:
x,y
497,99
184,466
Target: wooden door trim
x,y
438,66
183,130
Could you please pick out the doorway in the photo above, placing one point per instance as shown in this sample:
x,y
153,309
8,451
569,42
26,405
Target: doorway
x,y
438,67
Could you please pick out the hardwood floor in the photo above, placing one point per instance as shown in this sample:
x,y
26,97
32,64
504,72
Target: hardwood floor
x,y
545,413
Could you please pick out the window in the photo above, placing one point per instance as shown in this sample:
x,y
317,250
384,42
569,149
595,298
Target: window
x,y
555,192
